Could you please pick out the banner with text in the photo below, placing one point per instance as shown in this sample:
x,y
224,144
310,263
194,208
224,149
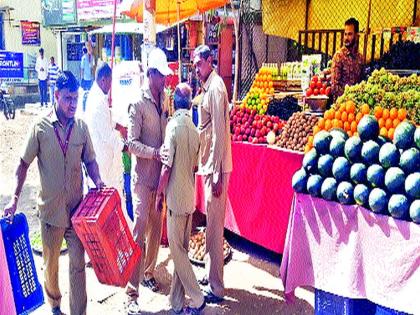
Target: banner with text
x,y
95,9
31,33
58,12
11,65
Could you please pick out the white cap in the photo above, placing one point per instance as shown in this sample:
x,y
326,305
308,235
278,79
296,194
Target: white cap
x,y
157,60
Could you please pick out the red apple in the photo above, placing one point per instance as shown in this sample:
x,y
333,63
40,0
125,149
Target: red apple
x,y
312,85
315,78
319,85
259,125
257,117
253,132
309,92
328,91
242,130
261,140
269,125
258,133
250,139
255,140
316,92
248,131
237,131
276,119
322,91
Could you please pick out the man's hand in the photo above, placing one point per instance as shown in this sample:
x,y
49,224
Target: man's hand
x,y
99,184
159,202
217,187
10,209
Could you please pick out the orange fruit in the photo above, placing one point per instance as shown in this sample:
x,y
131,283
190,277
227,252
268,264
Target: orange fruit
x,y
350,107
337,115
335,123
350,117
383,132
321,123
316,130
310,140
359,116
349,133
381,122
391,133
365,109
331,114
344,116
326,114
353,126
402,114
395,122
340,124
388,123
307,148
346,126
378,112
385,113
328,124
393,113
343,107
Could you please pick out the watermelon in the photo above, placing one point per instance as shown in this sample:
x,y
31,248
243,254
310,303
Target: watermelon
x,y
337,146
368,128
412,185
381,141
345,192
398,206
375,175
314,184
394,180
341,168
378,200
353,148
415,211
310,161
338,133
325,164
299,180
358,173
322,142
329,188
370,152
361,194
389,155
417,137
404,135
410,160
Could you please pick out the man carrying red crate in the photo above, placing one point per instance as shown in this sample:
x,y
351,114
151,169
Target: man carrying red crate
x,y
61,143
177,182
146,131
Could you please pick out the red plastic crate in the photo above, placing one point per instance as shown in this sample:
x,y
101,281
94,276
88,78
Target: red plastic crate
x,y
100,225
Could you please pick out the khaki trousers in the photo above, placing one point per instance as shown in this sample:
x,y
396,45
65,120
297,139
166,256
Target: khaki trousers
x,y
215,212
183,280
147,233
52,238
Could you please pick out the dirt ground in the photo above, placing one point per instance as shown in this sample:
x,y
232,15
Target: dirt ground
x,y
252,280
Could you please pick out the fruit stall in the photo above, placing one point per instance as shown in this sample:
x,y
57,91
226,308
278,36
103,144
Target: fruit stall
x,y
357,200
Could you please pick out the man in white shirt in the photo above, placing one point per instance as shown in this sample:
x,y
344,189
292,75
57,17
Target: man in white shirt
x,y
108,144
41,68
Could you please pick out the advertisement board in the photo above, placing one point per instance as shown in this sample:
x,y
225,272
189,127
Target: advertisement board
x,y
31,33
95,9
11,65
58,12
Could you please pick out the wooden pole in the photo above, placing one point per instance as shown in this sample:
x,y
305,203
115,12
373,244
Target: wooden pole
x,y
178,4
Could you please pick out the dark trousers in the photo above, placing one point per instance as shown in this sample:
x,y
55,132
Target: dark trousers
x,y
43,91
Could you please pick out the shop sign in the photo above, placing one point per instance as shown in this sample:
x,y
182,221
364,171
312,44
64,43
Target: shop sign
x,y
95,9
11,65
31,33
58,12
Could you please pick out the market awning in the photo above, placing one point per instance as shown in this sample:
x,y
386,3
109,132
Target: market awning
x,y
126,28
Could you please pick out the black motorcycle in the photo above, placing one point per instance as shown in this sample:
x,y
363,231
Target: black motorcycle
x,y
7,104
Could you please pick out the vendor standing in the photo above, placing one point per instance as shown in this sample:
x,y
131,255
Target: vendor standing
x,y
347,64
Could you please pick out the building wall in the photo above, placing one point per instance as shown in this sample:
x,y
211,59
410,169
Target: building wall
x,y
26,10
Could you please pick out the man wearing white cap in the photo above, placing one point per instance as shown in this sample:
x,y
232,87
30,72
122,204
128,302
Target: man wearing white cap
x,y
146,132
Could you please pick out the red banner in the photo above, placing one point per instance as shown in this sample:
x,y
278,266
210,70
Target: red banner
x,y
31,33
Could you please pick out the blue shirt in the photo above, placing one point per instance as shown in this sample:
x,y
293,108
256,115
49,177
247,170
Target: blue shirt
x,y
87,66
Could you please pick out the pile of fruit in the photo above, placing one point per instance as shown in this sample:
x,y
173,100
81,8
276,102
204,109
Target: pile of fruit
x,y
388,91
197,248
318,86
297,131
256,99
283,108
247,125
365,169
264,79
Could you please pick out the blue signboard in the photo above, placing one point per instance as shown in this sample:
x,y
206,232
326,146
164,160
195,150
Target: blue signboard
x,y
11,64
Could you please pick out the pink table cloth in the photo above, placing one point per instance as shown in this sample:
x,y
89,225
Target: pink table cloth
x,y
7,303
260,193
352,252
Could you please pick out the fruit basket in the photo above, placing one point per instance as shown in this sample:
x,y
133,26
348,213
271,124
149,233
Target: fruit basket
x,y
197,247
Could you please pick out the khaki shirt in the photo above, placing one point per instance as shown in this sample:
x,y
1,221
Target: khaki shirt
x,y
182,142
146,131
214,129
61,176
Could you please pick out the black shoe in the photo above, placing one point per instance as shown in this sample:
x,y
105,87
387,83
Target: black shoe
x,y
195,310
203,282
210,298
57,311
151,284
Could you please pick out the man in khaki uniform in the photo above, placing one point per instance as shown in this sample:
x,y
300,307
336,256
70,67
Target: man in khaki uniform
x,y
61,143
146,132
177,181
215,164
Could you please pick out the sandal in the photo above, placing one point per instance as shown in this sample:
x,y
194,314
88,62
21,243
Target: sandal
x,y
151,284
203,282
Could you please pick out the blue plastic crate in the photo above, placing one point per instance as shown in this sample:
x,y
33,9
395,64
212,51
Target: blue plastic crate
x,y
27,290
332,304
382,310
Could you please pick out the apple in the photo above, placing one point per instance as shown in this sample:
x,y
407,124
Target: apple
x,y
253,132
315,79
269,125
325,85
322,91
312,85
258,133
259,125
257,117
248,131
275,127
276,119
309,92
316,92
261,140
328,91
264,131
242,130
319,85
250,139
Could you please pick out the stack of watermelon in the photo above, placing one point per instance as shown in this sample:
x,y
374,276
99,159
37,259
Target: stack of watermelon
x,y
365,169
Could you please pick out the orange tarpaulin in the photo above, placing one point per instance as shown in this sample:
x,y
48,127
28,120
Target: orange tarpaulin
x,y
166,10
